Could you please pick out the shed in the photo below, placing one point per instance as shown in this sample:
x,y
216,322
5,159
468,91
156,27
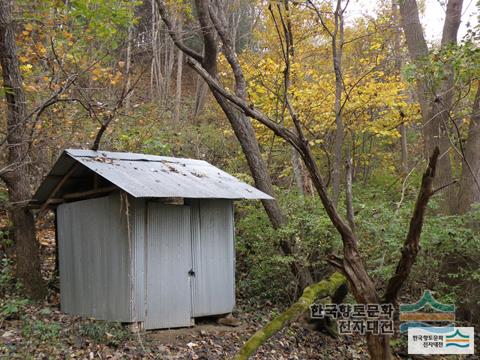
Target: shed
x,y
142,238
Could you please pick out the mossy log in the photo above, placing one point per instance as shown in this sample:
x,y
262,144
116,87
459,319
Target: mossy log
x,y
310,294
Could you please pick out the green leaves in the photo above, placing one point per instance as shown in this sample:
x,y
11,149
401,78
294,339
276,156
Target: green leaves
x,y
104,332
42,330
381,229
460,60
12,307
103,18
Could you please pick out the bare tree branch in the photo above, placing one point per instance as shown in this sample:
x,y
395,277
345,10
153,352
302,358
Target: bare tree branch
x,y
173,34
411,245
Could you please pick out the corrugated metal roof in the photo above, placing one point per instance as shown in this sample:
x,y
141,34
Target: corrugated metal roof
x,y
143,175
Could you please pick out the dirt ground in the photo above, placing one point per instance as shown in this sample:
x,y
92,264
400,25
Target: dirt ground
x,y
42,331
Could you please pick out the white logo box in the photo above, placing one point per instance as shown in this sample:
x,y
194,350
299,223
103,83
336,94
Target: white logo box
x,y
441,340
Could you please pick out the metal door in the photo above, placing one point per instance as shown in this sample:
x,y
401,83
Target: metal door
x,y
169,261
213,257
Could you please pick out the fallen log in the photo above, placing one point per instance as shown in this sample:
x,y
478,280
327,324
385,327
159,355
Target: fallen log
x,y
310,294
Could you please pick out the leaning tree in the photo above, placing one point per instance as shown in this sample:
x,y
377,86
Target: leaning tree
x,y
213,26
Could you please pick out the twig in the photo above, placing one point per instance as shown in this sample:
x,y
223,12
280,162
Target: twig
x,y
444,186
404,187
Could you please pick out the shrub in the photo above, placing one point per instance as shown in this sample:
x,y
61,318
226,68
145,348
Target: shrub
x,y
264,272
447,263
12,307
41,330
7,279
108,333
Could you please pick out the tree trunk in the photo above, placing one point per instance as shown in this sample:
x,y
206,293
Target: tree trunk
x,y
156,78
337,50
411,246
200,97
245,133
128,66
469,192
351,264
26,245
246,136
302,179
349,191
169,62
379,347
178,90
404,149
297,170
398,67
16,176
435,102
201,89
435,135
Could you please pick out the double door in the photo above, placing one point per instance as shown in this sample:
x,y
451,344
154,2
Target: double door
x,y
189,262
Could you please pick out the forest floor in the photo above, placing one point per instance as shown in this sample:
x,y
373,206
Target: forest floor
x,y
31,330
41,331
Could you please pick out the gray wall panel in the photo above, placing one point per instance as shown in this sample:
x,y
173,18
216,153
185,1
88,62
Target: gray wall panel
x,y
108,275
195,235
138,215
214,283
168,263
94,259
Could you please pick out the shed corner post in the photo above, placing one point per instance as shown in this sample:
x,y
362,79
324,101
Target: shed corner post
x,y
56,271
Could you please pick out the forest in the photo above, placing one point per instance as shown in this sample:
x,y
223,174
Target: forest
x,y
358,120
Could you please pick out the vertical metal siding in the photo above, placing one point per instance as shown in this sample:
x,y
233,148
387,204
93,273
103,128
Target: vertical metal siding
x,y
195,246
213,254
94,259
168,264
138,221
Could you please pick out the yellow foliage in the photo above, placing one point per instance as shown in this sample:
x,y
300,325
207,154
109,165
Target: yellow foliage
x,y
375,98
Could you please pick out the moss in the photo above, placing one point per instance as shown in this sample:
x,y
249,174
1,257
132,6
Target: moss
x,y
312,292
